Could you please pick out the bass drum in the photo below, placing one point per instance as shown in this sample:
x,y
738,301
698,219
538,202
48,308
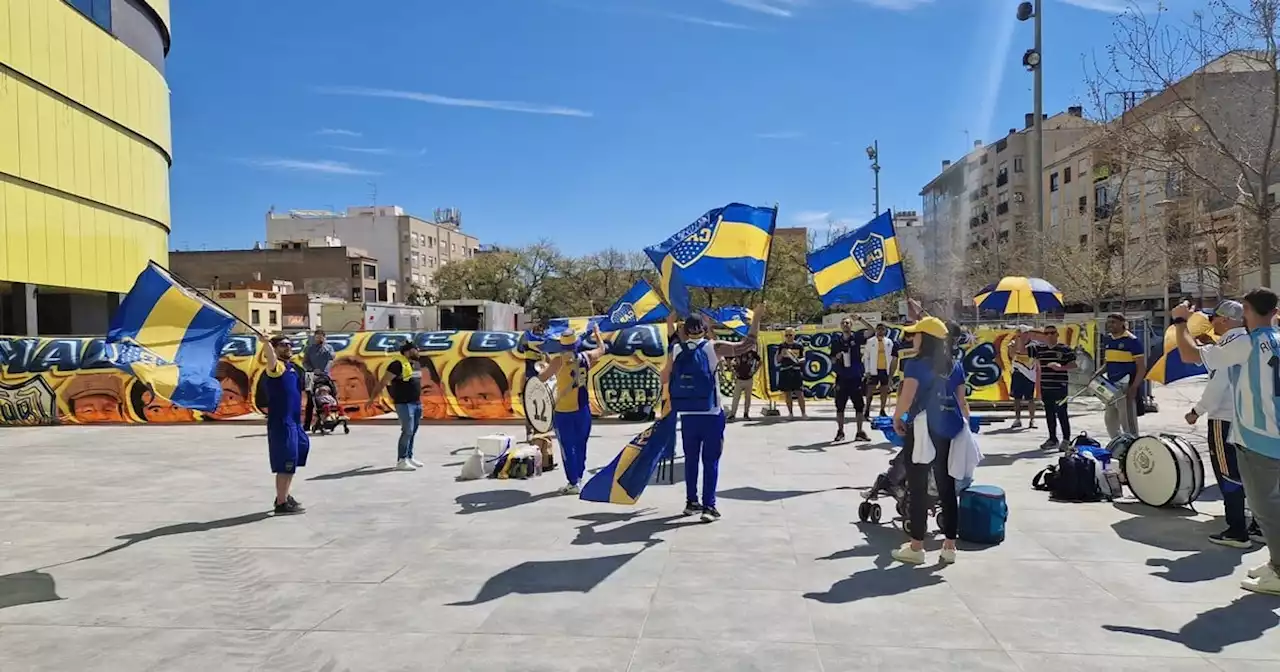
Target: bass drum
x,y
1164,470
1118,448
539,404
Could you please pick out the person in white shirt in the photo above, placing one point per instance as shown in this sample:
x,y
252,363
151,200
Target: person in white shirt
x,y
877,361
1253,369
1218,405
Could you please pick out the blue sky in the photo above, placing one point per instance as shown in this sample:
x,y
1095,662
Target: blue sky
x,y
593,123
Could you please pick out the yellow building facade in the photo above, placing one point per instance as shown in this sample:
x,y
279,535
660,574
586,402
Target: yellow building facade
x,y
85,151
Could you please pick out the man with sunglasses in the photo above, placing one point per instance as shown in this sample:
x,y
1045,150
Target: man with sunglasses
x,y
1054,361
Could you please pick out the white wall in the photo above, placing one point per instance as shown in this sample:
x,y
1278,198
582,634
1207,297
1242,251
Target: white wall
x,y
378,236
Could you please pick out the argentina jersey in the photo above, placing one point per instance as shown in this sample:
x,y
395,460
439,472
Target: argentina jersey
x,y
1253,367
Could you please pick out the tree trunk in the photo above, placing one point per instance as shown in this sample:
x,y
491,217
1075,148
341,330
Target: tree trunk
x,y
1264,258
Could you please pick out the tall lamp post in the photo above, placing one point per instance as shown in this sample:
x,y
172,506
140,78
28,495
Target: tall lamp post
x,y
873,153
1031,60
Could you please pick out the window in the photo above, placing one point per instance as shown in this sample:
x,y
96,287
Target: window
x,y
1066,175
984,160
1002,178
1017,164
255,318
431,261
1053,182
454,248
1001,145
431,240
98,11
355,270
371,295
371,271
355,294
1084,239
391,321
272,318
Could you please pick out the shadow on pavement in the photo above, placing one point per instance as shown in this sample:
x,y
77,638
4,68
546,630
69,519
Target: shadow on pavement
x,y
637,531
180,528
366,470
497,500
32,587
1165,529
1006,459
879,582
753,494
1212,631
578,575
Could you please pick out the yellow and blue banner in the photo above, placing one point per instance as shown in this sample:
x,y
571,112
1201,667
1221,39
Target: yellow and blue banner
x,y
859,266
629,473
734,318
170,338
640,305
1170,368
727,248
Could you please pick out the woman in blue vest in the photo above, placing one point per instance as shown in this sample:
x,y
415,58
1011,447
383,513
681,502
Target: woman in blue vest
x,y
690,377
572,418
933,384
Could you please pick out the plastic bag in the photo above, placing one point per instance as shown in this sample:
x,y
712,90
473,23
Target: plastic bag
x,y
473,466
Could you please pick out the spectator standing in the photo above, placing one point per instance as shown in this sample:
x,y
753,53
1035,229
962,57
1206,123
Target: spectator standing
x,y
1123,361
850,370
316,359
789,358
878,362
1022,381
403,379
1055,361
744,367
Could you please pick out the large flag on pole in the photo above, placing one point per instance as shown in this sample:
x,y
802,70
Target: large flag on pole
x,y
727,248
640,305
1170,367
859,266
735,318
170,337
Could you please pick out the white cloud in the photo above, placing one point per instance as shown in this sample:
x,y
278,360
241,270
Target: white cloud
x,y
434,99
338,131
782,8
299,165
897,5
1109,6
811,218
780,135
708,22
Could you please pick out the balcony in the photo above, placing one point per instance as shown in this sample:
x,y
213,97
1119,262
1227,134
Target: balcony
x,y
1003,178
1002,208
1102,212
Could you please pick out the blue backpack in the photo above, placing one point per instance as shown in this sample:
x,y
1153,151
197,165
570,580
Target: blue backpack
x,y
693,383
982,515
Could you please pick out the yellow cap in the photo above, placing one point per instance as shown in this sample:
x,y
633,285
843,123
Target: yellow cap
x,y
929,325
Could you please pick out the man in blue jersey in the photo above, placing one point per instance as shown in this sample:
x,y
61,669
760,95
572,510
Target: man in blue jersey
x,y
1253,368
1125,364
287,441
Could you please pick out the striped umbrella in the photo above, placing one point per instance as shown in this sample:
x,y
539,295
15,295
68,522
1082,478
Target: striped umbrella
x,y
1018,295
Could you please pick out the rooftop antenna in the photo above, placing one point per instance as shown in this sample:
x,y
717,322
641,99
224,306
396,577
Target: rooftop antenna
x,y
374,187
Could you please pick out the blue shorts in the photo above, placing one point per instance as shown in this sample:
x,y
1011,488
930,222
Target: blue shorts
x,y
1022,388
287,446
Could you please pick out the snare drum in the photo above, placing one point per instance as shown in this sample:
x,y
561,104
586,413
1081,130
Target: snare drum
x,y
1118,447
539,404
1105,390
1164,470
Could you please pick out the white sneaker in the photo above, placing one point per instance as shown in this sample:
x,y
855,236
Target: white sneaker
x,y
403,465
1262,571
1269,585
1017,424
416,464
570,490
907,555
948,556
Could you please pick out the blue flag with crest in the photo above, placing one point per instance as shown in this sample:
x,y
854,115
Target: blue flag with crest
x,y
859,266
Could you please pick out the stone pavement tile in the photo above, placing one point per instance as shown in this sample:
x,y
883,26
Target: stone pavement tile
x,y
1024,624
537,653
901,604
976,575
496,536
755,571
268,606
731,536
1247,627
843,539
55,648
729,614
331,565
1080,662
401,541
1017,546
430,607
679,655
1229,665
877,659
1212,577
164,649
104,603
603,612
1099,546
365,652
1066,517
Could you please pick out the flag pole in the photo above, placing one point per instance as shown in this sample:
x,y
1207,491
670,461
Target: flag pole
x,y
182,281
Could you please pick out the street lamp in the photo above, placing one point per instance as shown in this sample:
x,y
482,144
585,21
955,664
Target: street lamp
x,y
873,153
1031,60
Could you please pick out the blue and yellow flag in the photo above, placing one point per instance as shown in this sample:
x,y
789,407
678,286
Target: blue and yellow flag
x,y
860,265
640,305
735,318
1170,368
170,338
727,247
548,342
629,473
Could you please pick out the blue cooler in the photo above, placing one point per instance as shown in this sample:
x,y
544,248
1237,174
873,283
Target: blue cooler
x,y
983,514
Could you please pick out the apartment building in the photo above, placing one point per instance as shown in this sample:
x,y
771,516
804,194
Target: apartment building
x,y
320,267
909,227
408,249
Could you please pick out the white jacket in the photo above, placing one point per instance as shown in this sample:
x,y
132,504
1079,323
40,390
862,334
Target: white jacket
x,y
1217,402
964,455
869,353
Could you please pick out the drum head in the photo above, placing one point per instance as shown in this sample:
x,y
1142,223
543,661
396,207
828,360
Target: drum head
x,y
539,404
1152,469
1197,467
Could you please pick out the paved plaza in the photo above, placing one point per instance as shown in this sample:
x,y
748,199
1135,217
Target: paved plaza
x,y
149,548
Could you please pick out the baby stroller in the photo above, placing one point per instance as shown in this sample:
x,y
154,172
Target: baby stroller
x,y
893,483
328,412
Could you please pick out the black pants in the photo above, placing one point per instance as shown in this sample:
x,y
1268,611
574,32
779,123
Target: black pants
x,y
918,487
850,390
311,409
1222,454
1055,413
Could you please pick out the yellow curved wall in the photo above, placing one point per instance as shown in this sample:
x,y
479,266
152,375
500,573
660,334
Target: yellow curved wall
x,y
85,151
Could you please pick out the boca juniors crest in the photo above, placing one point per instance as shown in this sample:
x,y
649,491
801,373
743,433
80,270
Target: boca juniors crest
x,y
696,240
625,313
622,388
869,255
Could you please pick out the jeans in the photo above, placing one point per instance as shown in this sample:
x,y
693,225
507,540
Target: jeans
x,y
1261,476
1055,413
918,487
1226,468
1121,416
410,417
702,436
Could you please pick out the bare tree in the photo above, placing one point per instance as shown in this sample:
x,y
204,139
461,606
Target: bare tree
x,y
1199,102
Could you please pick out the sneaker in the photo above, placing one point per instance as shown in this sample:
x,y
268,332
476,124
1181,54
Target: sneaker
x,y
1017,424
290,507
416,464
570,489
907,555
692,508
1268,585
882,413
948,556
1065,446
746,416
861,436
709,514
1231,539
403,465
1031,424
1262,571
839,437
1050,443
1255,533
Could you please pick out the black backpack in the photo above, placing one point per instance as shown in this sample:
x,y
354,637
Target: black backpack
x,y
1076,480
